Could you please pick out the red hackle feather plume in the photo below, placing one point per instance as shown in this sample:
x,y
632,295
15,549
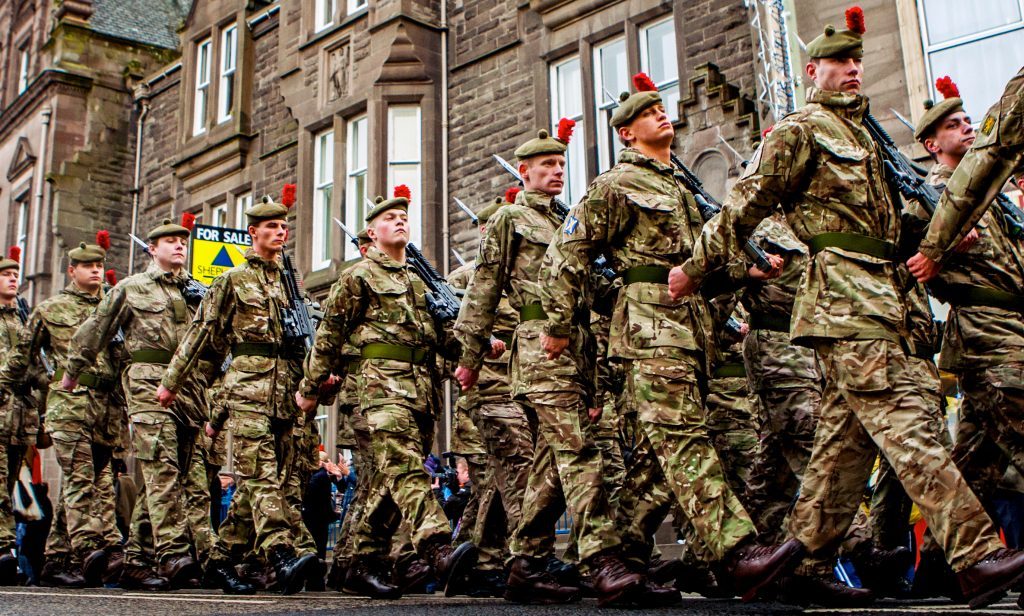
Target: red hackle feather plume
x,y
111,276
765,132
855,20
643,83
103,239
565,128
288,195
946,87
510,194
188,220
14,253
403,191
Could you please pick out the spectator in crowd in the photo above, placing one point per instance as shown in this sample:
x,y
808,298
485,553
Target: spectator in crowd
x,y
318,509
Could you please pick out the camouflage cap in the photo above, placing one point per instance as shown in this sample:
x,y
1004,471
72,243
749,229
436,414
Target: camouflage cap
x,y
266,209
847,43
13,259
364,237
91,253
485,214
382,205
935,112
630,105
543,143
167,229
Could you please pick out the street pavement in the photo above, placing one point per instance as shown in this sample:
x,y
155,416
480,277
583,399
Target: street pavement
x,y
115,602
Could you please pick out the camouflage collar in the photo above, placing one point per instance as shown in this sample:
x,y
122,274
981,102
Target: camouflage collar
x,y
941,171
73,289
634,156
257,261
851,105
383,259
155,273
534,199
8,309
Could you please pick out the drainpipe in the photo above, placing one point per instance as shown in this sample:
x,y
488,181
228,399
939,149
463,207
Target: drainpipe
x,y
142,100
445,198
40,182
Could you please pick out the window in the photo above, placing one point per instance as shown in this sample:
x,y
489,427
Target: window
x,y
658,59
202,88
242,203
323,190
355,186
219,215
356,5
404,160
611,77
228,64
22,238
324,13
567,102
23,68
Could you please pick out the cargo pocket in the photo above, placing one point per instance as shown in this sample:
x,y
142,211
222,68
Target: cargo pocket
x,y
861,365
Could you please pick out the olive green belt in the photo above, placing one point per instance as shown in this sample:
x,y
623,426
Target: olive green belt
x,y
381,350
972,295
854,242
152,356
86,379
646,273
771,322
535,312
726,371
264,349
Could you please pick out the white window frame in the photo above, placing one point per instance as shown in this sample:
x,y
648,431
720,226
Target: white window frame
x,y
357,163
411,167
201,91
356,5
228,68
22,237
962,41
323,14
219,215
576,156
23,62
323,197
608,144
664,85
242,203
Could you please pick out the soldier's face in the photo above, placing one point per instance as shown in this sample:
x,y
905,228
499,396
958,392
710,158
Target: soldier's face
x,y
269,235
170,252
545,173
88,276
651,127
390,229
953,137
836,74
8,284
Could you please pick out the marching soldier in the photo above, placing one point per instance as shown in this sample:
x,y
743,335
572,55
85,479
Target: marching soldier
x,y
824,169
567,466
243,311
72,418
641,216
379,305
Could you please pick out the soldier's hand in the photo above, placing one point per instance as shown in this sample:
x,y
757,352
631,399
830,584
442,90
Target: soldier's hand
x,y
306,405
497,348
165,396
67,383
554,345
679,284
466,377
969,240
777,264
923,268
594,414
211,431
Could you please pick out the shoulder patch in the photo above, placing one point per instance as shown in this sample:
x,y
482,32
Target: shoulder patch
x,y
988,124
571,223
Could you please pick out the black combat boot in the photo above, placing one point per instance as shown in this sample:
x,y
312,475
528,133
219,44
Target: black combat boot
x,y
55,574
805,590
221,574
369,577
94,566
139,577
451,564
291,570
8,570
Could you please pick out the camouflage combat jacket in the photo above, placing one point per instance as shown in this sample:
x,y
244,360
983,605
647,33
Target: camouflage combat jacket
x,y
241,313
50,328
379,303
153,315
996,156
822,167
639,215
19,416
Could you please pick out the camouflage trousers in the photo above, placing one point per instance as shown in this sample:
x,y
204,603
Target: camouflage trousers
x,y
258,517
303,459
400,486
86,499
467,442
568,472
362,457
875,401
608,437
172,512
508,439
789,416
731,417
10,466
674,461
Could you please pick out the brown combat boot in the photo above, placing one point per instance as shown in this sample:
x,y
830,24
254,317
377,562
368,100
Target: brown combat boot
x,y
987,581
805,590
115,563
613,581
181,571
54,574
138,577
413,576
452,565
751,567
530,583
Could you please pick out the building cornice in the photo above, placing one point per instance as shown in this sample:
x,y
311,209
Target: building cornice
x,y
50,81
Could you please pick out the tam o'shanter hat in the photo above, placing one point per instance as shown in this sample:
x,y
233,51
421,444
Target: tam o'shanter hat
x,y
935,112
848,43
90,253
400,200
630,105
544,143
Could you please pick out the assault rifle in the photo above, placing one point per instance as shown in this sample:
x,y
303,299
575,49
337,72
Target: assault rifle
x,y
23,314
193,291
300,318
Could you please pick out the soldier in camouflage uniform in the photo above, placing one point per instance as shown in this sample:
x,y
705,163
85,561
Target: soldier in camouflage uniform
x,y
822,166
151,313
567,467
642,218
379,306
242,311
19,419
72,419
